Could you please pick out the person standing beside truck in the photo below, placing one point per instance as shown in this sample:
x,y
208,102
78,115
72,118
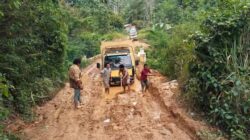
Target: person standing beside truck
x,y
106,75
125,78
144,78
75,81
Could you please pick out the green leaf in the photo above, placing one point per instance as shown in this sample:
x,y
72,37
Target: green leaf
x,y
245,109
228,117
235,93
4,90
1,14
238,83
17,4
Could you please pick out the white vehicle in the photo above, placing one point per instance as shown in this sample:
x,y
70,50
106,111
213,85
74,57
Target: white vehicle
x,y
133,33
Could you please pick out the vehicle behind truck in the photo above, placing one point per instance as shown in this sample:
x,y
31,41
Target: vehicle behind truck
x,y
117,53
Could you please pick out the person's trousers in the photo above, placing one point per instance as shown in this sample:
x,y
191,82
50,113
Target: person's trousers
x,y
77,95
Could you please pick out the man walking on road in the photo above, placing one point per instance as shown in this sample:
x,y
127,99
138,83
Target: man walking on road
x,y
125,79
144,78
106,75
75,81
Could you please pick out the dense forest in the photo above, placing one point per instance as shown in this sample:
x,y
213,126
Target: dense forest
x,y
204,44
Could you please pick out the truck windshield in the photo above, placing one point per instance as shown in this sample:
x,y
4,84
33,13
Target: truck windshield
x,y
116,60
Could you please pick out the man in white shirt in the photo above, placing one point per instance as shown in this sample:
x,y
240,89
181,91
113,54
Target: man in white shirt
x,y
106,75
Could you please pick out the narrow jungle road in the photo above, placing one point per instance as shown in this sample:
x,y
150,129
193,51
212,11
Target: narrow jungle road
x,y
157,116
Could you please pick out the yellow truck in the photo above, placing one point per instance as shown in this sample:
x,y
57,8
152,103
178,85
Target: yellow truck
x,y
117,53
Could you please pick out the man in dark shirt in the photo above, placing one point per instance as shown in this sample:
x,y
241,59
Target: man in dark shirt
x,y
144,78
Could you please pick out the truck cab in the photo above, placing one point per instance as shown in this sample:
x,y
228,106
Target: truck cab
x,y
116,54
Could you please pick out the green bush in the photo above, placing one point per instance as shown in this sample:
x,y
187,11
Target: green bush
x,y
89,23
113,35
4,110
143,33
171,51
7,136
32,47
219,76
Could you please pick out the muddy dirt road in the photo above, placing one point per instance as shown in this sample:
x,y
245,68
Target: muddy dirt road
x,y
117,116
